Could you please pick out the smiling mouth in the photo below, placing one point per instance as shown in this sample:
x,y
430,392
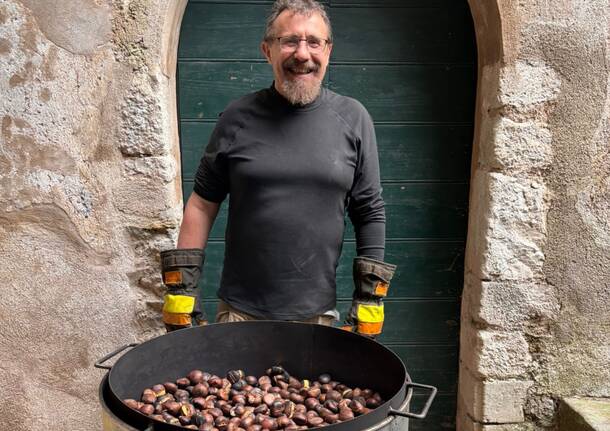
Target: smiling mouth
x,y
297,68
300,71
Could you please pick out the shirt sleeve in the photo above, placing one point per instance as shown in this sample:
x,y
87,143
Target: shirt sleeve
x,y
212,177
366,207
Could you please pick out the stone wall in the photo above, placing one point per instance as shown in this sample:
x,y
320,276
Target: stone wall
x,y
89,192
536,304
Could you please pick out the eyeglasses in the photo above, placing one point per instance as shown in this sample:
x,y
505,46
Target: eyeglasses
x,y
315,45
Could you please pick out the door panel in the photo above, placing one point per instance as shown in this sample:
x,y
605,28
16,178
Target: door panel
x,y
407,93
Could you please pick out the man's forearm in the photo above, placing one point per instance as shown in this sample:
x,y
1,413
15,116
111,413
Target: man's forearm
x,y
370,240
199,216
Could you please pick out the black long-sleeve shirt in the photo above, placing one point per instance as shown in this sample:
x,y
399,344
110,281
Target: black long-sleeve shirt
x,y
291,172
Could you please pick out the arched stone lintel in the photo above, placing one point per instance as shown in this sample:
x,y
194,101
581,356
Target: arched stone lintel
x,y
168,61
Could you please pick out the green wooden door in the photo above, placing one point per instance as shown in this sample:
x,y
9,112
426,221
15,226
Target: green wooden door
x,y
412,64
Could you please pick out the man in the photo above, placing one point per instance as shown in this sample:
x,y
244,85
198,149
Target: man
x,y
293,159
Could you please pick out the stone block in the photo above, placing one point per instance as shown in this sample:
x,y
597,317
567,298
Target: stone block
x,y
517,147
141,129
526,84
494,354
143,200
492,401
584,414
512,305
156,168
514,231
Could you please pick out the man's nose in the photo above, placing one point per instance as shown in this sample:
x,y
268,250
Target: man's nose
x,y
302,52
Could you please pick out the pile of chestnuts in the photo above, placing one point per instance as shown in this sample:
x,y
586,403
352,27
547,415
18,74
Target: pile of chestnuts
x,y
273,402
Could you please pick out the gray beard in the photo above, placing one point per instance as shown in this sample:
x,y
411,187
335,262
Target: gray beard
x,y
300,93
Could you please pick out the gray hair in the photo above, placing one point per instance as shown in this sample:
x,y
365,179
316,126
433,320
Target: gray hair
x,y
301,7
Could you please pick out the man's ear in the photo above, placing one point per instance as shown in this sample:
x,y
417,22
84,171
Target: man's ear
x,y
266,50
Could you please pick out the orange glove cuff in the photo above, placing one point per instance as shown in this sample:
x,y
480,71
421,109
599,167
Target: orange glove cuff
x,y
178,319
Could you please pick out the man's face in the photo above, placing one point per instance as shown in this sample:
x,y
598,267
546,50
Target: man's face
x,y
298,73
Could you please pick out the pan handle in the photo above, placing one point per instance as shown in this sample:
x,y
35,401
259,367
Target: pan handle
x,y
424,411
98,364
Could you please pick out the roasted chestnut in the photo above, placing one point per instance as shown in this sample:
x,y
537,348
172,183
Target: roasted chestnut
x,y
311,403
183,382
345,414
187,410
299,419
247,421
269,399
283,421
269,423
324,378
200,390
289,409
170,387
239,399
315,421
277,408
239,385
254,398
195,376
159,390
226,409
147,409
132,404
223,394
215,381
314,392
356,407
275,370
332,405
221,423
148,398
331,419
333,395
235,375
181,395
296,398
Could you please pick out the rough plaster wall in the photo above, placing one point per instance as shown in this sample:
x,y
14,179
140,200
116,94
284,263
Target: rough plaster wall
x,y
536,306
87,198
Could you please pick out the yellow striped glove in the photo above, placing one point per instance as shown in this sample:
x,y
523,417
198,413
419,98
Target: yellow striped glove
x,y
372,282
181,270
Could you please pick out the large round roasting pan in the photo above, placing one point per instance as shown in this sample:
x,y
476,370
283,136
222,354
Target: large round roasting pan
x,y
304,350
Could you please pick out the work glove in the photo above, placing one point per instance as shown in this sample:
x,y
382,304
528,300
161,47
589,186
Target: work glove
x,y
181,270
372,282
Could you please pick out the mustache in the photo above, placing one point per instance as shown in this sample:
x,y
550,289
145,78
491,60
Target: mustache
x,y
308,66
